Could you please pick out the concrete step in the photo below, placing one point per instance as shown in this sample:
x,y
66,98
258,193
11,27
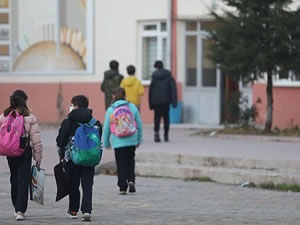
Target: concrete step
x,y
223,162
217,174
219,169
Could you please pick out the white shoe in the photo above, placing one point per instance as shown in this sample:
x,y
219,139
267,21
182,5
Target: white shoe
x,y
86,217
20,216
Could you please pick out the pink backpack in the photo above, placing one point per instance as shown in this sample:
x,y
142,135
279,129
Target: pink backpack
x,y
11,130
122,122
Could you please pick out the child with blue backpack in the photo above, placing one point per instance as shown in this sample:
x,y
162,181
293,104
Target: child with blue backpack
x,y
79,125
123,132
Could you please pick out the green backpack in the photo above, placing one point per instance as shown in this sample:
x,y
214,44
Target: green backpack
x,y
86,148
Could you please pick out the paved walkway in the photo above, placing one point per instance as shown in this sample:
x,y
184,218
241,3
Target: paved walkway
x,y
184,142
170,201
164,202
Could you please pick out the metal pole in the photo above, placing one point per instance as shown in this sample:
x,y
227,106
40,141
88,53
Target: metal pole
x,y
169,30
57,28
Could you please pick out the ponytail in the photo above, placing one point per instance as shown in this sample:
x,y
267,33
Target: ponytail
x,y
18,101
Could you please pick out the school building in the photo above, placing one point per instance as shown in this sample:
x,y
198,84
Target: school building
x,y
61,48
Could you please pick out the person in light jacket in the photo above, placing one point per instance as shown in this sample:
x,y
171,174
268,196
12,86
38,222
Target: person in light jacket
x,y
124,146
20,167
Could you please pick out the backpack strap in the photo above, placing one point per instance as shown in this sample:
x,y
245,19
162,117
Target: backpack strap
x,y
91,123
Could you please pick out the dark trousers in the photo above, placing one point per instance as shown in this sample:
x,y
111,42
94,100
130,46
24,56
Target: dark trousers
x,y
20,173
125,166
85,176
161,111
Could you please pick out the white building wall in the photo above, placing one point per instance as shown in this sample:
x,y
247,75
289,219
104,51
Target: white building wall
x,y
116,35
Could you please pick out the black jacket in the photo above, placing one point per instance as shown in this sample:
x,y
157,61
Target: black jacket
x,y
70,124
162,89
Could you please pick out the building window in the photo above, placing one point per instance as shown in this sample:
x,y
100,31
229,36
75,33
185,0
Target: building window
x,y
200,71
56,38
153,47
191,61
209,72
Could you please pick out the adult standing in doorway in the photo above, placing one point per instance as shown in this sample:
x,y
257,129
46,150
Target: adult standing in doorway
x,y
162,93
112,80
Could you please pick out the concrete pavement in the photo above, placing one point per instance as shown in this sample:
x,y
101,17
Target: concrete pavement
x,y
231,159
226,160
163,202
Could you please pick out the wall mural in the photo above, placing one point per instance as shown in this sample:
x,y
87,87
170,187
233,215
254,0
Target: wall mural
x,y
51,38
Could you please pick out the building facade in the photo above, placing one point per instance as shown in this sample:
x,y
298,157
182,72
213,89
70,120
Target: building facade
x,y
63,48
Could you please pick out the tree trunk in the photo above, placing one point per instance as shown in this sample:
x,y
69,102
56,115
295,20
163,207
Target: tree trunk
x,y
269,119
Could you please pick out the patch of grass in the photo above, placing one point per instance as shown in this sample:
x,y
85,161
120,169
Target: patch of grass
x,y
199,179
249,130
277,187
281,187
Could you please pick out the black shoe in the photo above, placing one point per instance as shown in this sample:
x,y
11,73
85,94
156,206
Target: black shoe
x,y
131,187
166,138
156,137
122,193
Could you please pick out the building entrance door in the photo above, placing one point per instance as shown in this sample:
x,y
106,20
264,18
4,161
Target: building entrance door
x,y
202,89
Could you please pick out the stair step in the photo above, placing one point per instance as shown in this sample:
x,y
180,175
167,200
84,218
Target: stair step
x,y
223,162
218,174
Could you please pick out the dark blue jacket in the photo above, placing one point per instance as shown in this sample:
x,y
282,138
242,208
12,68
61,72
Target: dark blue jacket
x,y
162,89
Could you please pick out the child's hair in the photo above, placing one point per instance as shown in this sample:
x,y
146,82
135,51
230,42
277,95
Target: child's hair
x,y
81,101
119,94
114,65
158,64
18,101
131,70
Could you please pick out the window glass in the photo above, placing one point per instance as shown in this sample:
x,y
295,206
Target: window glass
x,y
164,51
53,38
4,3
191,61
207,25
4,34
150,27
209,73
4,18
163,26
191,26
149,56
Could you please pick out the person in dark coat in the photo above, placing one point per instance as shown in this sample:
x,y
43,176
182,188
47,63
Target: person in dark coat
x,y
162,93
79,113
112,80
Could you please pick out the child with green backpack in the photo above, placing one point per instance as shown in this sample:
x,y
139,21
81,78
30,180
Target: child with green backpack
x,y
79,144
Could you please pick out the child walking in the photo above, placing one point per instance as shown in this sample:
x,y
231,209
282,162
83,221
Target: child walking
x,y
20,166
133,87
79,114
123,132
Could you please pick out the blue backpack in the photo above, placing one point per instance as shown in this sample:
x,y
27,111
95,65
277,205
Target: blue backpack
x,y
86,149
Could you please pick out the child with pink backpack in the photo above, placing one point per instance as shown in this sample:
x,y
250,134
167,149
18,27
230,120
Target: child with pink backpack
x,y
123,132
19,135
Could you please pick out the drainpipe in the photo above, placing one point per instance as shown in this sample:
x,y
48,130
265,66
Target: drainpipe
x,y
172,36
169,30
57,28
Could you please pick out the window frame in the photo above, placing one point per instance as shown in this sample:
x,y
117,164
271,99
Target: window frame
x,y
160,35
90,44
200,35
